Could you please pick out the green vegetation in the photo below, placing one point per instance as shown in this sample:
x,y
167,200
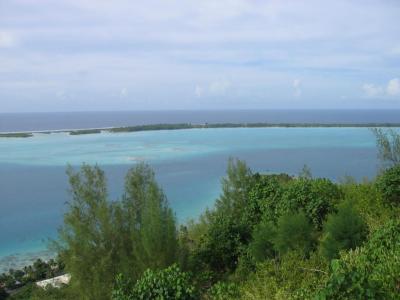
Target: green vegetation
x,y
152,127
102,238
388,143
16,135
369,272
267,237
343,231
169,284
389,185
294,232
84,131
37,271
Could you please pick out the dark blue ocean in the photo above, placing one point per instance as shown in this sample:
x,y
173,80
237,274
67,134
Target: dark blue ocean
x,y
76,120
189,164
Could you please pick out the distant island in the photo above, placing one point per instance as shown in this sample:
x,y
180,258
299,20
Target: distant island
x,y
178,126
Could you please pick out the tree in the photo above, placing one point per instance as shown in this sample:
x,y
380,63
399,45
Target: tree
x,y
228,229
294,232
87,236
262,245
305,172
342,231
101,238
388,144
388,184
264,197
150,220
316,197
235,189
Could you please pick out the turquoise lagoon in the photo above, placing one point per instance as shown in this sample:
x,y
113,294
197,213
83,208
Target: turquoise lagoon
x,y
188,163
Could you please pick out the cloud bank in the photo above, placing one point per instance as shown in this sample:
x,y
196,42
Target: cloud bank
x,y
187,54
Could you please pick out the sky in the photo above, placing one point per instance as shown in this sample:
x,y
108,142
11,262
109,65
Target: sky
x,y
97,55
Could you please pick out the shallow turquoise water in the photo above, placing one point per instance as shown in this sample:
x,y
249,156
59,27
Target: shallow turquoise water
x,y
188,163
155,146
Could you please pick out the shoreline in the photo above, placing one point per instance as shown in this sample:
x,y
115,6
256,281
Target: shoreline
x,y
181,126
20,259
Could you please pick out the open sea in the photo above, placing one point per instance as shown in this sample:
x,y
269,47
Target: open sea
x,y
188,163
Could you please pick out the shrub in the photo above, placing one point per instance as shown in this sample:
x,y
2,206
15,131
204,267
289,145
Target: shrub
x,y
170,283
223,291
389,185
290,277
294,232
369,272
368,202
342,231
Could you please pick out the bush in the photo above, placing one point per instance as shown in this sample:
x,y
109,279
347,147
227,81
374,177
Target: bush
x,y
294,232
369,272
368,202
290,277
170,283
223,291
342,231
389,185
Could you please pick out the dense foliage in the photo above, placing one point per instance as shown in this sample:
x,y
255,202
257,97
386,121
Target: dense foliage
x,y
294,232
389,185
343,231
369,272
169,284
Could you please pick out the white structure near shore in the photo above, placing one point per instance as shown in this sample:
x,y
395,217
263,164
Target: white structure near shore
x,y
55,281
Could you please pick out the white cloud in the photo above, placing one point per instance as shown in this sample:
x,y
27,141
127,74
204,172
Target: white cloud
x,y
123,93
63,94
393,87
219,86
198,91
395,50
372,90
7,40
297,87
